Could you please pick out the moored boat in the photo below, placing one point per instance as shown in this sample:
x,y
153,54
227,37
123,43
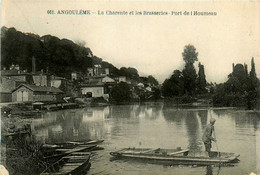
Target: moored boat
x,y
176,156
73,144
73,164
56,154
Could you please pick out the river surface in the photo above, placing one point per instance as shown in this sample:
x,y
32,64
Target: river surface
x,y
154,125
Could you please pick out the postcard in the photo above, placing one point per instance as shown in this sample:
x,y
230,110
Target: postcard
x,y
130,87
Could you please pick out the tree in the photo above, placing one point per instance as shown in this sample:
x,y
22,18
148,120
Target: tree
x,y
201,81
174,86
189,54
189,73
121,92
152,80
252,72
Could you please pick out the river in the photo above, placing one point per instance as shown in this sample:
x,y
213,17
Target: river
x,y
154,125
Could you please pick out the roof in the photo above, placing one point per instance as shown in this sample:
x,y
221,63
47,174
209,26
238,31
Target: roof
x,y
99,84
40,88
58,78
9,72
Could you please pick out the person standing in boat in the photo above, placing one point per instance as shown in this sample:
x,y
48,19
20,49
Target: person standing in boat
x,y
207,135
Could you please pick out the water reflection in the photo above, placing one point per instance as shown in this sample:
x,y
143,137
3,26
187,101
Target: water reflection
x,y
173,115
154,126
203,115
209,170
193,131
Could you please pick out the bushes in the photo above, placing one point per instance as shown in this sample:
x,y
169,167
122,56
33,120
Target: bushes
x,y
121,92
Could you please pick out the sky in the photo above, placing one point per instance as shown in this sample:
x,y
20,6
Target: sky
x,y
153,44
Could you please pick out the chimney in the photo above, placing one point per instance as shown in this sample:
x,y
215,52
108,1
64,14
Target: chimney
x,y
33,65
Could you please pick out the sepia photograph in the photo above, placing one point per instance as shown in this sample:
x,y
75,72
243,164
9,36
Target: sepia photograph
x,y
130,87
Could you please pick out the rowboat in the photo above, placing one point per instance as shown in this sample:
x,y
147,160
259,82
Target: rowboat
x,y
73,144
176,156
56,154
75,163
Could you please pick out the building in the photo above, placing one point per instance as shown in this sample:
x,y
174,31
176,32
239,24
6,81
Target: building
x,y
57,81
107,79
74,76
121,79
97,70
5,96
32,93
10,83
41,80
93,90
7,85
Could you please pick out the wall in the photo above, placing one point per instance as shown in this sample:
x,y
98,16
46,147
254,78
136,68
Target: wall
x,y
7,84
30,93
56,83
5,97
107,79
44,97
34,96
96,91
40,80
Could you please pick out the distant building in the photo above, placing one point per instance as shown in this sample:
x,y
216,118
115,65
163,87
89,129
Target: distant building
x,y
97,70
5,96
32,93
107,79
107,71
121,78
10,83
93,90
42,80
74,76
90,71
56,81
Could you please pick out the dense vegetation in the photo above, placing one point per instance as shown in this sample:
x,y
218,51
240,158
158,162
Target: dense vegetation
x,y
62,56
121,92
53,55
186,82
240,90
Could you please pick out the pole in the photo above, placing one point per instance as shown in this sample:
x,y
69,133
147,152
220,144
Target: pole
x,y
215,136
216,142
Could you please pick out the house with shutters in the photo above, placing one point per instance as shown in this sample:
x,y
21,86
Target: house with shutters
x,y
33,93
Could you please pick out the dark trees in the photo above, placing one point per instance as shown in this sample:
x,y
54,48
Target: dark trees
x,y
189,54
201,80
121,92
189,73
240,89
174,86
185,81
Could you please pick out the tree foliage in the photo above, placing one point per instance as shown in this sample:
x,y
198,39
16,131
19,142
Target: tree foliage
x,y
121,92
185,81
57,56
201,80
189,54
174,86
240,89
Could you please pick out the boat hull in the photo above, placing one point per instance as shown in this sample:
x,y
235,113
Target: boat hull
x,y
176,156
74,164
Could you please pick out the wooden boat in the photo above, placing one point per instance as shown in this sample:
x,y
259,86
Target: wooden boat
x,y
75,163
176,156
73,144
56,154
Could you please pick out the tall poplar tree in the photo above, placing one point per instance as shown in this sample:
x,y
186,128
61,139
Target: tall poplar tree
x,y
190,55
201,81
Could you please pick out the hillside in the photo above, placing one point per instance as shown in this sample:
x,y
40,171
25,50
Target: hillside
x,y
52,54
